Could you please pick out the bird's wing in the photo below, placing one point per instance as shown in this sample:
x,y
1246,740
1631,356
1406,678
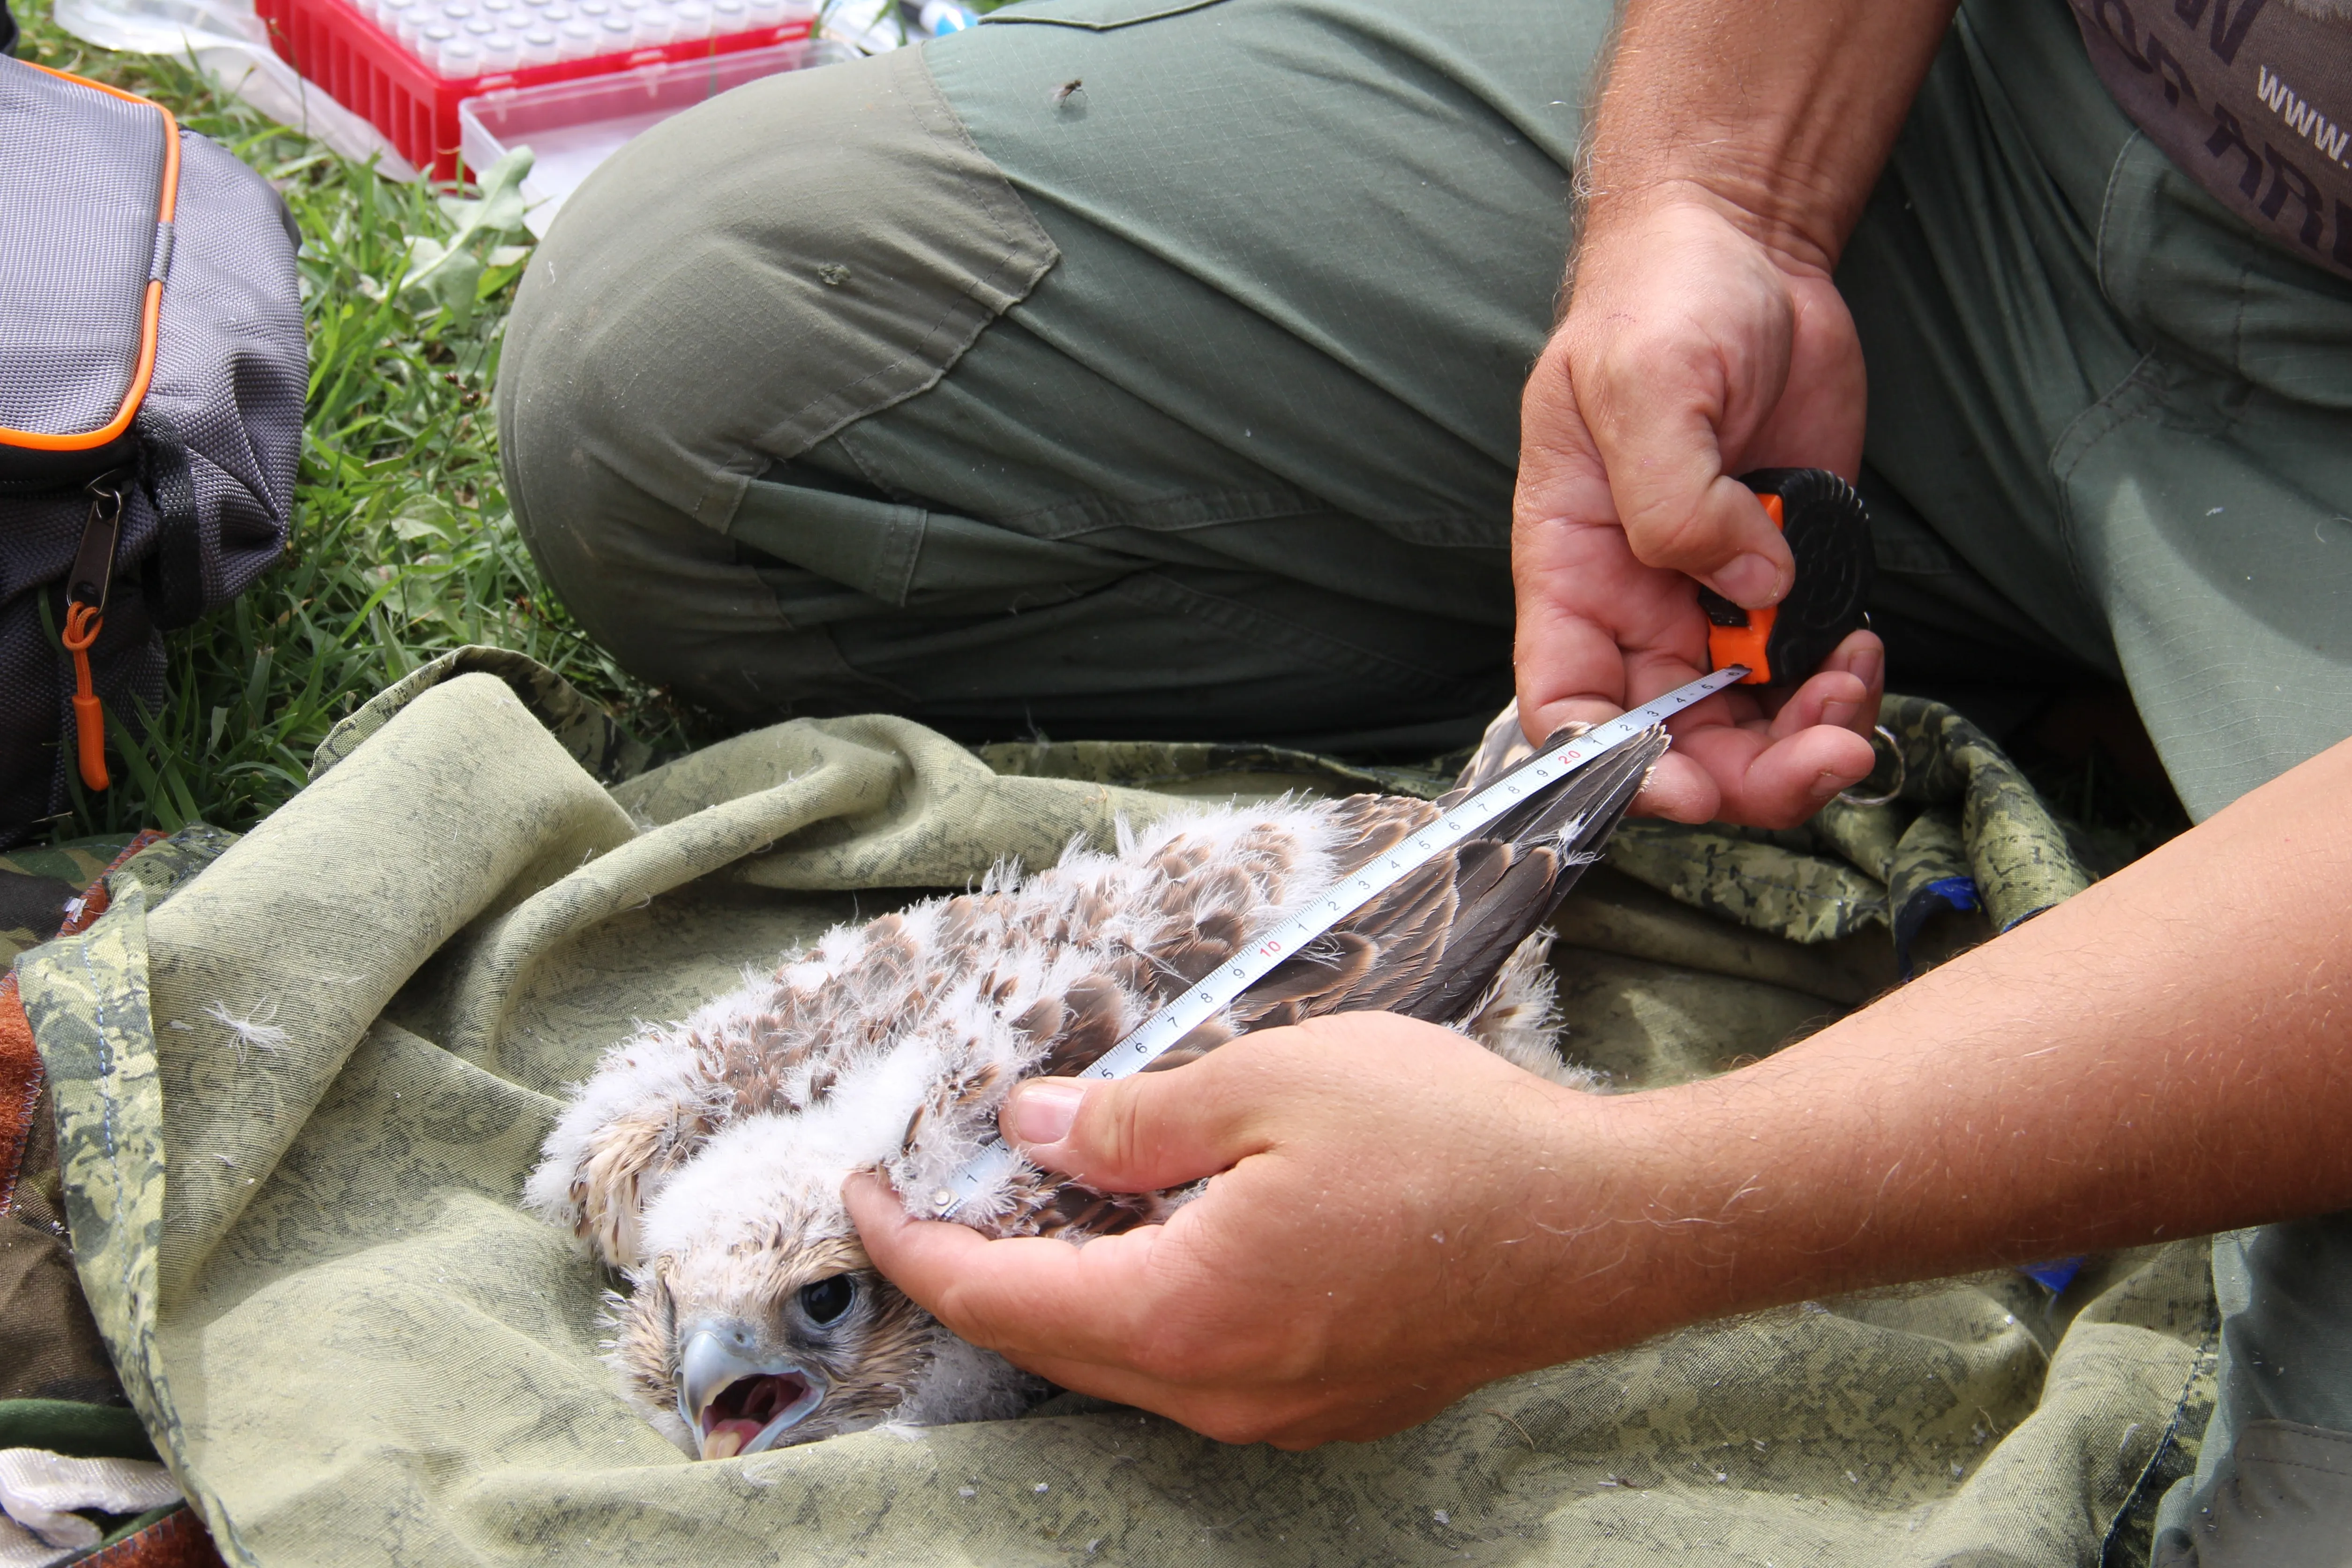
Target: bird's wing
x,y
1503,747
644,1114
1430,946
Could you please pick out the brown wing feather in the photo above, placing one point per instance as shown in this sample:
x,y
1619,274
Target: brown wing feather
x,y
1372,824
1408,923
1503,747
1441,934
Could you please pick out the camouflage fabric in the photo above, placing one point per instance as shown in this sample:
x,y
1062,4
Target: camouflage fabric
x,y
1763,885
50,1351
1965,831
52,1358
1928,872
2017,852
35,885
298,1093
90,1015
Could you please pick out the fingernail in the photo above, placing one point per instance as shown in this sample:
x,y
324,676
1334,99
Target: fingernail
x,y
1749,581
1839,715
1041,1111
1867,666
1828,784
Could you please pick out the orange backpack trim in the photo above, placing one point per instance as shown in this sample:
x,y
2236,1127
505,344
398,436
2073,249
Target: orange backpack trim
x,y
151,313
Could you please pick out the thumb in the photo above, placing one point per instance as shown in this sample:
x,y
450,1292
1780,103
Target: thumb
x,y
1135,1134
1681,354
1711,528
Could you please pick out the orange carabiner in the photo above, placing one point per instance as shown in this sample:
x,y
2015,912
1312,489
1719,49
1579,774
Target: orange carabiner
x,y
83,623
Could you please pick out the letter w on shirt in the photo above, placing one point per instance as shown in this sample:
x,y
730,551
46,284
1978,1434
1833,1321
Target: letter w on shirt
x,y
2301,118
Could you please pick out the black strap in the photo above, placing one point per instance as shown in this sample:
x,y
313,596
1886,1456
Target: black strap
x,y
173,573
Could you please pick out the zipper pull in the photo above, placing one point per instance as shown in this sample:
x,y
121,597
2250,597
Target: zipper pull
x,y
86,591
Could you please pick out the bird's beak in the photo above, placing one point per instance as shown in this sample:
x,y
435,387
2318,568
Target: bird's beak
x,y
733,1402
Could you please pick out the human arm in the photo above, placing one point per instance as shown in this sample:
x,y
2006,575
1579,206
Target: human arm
x,y
1397,1216
1730,155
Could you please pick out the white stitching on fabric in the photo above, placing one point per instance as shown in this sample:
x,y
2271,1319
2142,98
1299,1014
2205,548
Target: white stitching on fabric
x,y
2107,209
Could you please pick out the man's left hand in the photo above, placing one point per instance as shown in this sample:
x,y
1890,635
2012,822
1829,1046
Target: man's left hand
x,y
1382,1232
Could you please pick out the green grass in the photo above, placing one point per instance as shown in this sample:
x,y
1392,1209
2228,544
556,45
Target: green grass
x,y
402,546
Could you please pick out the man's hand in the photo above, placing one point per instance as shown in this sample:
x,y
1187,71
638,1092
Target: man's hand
x,y
1691,354
1380,1234
1730,155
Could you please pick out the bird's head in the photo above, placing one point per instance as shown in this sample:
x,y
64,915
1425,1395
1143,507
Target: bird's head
x,y
756,1321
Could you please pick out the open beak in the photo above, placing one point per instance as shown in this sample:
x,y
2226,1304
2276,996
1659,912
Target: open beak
x,y
736,1405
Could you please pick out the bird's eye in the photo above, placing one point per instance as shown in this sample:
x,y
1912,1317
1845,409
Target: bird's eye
x,y
826,1299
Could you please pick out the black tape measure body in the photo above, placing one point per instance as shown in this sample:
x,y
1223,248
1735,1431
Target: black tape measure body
x,y
1828,531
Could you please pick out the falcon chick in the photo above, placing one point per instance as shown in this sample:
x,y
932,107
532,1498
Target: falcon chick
x,y
704,1158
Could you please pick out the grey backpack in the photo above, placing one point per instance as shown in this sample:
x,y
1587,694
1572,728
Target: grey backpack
x,y
151,376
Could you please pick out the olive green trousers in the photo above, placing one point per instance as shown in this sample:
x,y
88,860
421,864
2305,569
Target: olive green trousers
x,y
1149,369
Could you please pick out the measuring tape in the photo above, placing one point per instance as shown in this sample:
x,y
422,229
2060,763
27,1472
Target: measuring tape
x,y
1210,996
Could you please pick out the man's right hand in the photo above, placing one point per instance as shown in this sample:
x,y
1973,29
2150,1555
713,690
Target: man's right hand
x,y
1691,354
1704,338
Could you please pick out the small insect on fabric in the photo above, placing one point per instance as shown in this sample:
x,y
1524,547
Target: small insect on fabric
x,y
1070,94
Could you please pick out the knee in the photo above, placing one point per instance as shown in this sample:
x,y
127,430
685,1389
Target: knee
x,y
744,280
728,290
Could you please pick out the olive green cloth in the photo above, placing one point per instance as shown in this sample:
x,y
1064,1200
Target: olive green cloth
x,y
299,1090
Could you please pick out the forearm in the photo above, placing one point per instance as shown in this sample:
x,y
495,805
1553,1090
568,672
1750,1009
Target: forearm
x,y
2168,1054
1780,114
1397,1215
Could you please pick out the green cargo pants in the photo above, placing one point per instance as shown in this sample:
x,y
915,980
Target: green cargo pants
x,y
1150,368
